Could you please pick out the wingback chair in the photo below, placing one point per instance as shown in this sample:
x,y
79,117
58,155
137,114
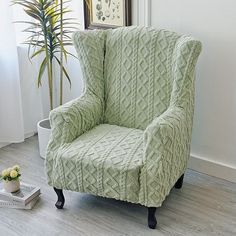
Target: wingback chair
x,y
128,135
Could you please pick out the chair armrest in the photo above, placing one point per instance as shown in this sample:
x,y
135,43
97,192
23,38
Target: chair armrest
x,y
67,123
166,151
74,118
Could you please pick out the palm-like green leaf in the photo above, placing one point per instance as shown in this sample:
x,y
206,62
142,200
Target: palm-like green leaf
x,y
38,52
41,70
64,71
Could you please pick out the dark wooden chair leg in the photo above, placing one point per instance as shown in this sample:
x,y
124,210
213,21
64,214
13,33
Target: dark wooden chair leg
x,y
152,222
179,182
60,198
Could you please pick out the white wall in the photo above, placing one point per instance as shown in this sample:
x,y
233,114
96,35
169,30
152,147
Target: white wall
x,y
213,23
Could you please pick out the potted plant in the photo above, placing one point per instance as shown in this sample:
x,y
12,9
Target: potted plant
x,y
49,34
10,176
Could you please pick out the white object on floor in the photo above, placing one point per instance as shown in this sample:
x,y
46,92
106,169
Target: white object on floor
x,y
11,186
44,132
16,205
22,197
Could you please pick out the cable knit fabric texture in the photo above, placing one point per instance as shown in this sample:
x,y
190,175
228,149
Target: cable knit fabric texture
x,y
128,136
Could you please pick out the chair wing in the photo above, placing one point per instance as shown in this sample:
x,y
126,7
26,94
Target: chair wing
x,y
80,115
167,139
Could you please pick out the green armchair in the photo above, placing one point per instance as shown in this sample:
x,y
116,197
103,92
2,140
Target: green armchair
x,y
128,136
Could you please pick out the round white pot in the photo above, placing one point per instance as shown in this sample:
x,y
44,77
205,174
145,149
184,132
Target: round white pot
x,y
11,186
44,132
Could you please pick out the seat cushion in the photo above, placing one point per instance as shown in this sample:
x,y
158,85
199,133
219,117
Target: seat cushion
x,y
105,161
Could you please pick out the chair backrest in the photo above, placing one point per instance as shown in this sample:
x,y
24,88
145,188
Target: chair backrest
x,y
143,72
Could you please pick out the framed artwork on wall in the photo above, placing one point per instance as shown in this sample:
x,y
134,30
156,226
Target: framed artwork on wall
x,y
100,14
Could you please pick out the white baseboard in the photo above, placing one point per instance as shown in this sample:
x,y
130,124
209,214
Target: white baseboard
x,y
27,135
3,144
212,168
30,134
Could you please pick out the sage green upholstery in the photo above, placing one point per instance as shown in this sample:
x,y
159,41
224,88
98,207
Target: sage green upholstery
x,y
128,136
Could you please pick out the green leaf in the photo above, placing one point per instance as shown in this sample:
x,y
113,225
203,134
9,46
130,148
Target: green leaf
x,y
33,15
72,55
64,71
41,70
28,22
37,52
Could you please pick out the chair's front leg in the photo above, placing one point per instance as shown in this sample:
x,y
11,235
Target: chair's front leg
x,y
61,200
152,222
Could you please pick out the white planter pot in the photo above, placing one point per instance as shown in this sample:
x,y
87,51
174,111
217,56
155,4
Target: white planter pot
x,y
44,132
11,186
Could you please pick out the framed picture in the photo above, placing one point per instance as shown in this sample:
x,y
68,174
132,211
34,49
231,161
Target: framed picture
x,y
107,13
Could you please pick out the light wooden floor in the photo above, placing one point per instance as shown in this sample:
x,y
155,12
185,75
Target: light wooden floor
x,y
204,206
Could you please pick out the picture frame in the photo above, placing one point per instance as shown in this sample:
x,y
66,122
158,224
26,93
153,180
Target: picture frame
x,y
104,14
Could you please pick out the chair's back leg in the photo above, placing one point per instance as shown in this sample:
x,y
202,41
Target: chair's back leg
x,y
179,182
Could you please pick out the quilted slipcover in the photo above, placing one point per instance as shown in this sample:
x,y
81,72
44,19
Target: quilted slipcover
x,y
128,136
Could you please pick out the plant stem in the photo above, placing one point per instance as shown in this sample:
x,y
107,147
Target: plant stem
x,y
49,59
49,70
61,56
50,84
